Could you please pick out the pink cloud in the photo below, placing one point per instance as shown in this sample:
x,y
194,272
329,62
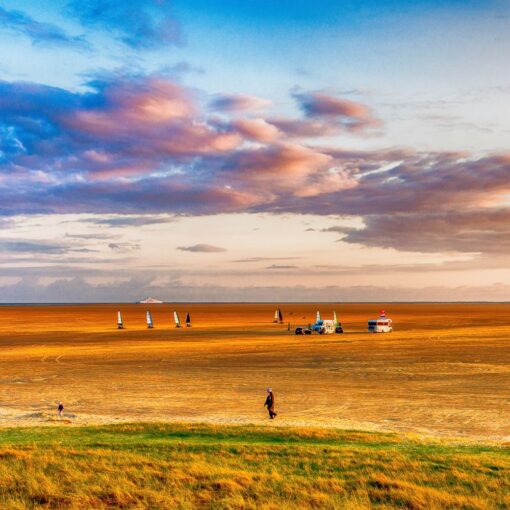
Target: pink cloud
x,y
349,114
134,106
276,161
327,182
237,103
256,129
317,104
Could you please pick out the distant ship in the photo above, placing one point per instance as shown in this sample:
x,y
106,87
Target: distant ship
x,y
149,301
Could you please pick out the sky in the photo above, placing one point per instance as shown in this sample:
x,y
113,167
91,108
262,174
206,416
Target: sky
x,y
254,150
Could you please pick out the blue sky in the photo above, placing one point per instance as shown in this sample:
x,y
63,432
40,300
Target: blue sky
x,y
131,133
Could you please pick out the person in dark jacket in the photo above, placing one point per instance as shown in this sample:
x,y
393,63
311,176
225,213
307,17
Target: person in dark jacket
x,y
270,403
60,409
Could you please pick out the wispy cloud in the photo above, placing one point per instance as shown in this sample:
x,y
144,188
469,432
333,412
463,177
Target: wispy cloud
x,y
94,236
44,34
280,266
137,23
44,247
265,259
124,247
130,221
202,248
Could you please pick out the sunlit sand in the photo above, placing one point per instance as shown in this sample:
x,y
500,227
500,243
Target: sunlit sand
x,y
444,371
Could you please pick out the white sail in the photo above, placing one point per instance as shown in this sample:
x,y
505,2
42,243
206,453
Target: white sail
x,y
149,319
177,321
335,320
120,324
276,315
318,316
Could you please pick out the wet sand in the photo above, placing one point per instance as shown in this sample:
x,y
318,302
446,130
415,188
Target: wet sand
x,y
444,371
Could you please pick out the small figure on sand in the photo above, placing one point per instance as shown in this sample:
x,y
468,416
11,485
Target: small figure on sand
x,y
60,409
270,403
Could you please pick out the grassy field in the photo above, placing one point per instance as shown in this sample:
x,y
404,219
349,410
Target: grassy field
x,y
198,466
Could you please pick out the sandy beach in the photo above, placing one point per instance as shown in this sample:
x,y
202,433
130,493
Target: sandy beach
x,y
444,371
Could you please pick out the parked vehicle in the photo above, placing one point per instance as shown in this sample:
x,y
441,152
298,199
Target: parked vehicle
x,y
381,325
327,326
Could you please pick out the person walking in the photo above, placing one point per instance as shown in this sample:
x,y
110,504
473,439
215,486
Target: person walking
x,y
270,403
60,409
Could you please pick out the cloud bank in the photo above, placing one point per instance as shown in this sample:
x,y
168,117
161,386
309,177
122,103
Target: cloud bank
x,y
73,290
147,145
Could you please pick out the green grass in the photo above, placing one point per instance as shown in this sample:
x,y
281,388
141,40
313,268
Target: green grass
x,y
161,466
